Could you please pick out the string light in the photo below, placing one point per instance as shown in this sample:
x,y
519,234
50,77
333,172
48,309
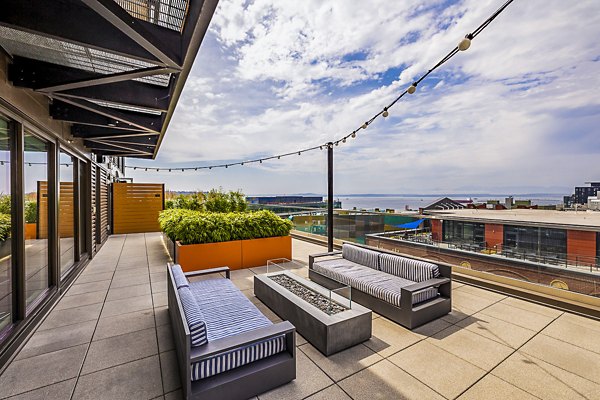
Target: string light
x,y
463,45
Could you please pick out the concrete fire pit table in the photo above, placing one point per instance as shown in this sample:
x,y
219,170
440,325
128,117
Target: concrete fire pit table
x,y
342,324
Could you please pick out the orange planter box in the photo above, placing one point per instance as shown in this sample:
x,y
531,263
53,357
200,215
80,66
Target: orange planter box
x,y
256,252
235,254
193,257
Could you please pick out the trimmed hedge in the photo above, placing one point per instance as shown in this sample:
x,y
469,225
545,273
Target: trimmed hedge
x,y
4,227
195,227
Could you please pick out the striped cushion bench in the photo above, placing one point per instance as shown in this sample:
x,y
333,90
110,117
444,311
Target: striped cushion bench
x,y
227,312
379,284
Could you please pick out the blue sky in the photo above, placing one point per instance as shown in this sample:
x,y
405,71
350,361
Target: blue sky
x,y
518,112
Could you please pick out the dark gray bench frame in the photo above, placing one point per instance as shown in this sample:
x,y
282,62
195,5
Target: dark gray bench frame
x,y
407,315
239,383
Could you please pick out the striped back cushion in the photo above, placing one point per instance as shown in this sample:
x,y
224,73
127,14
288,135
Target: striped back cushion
x,y
180,279
366,257
193,316
407,268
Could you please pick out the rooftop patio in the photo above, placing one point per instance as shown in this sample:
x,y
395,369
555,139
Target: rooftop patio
x,y
109,337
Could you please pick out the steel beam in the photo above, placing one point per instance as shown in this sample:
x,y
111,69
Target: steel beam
x,y
106,146
130,26
118,88
86,130
81,111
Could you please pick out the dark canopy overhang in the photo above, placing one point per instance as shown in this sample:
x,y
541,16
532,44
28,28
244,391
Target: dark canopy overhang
x,y
113,68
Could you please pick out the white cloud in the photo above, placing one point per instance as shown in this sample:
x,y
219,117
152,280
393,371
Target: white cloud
x,y
518,109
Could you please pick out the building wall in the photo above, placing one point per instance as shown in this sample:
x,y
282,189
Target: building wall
x,y
494,235
436,230
581,245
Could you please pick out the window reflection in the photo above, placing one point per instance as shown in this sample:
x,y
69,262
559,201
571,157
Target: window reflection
x,y
5,229
66,213
36,216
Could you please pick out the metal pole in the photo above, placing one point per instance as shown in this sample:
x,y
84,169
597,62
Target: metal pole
x,y
329,196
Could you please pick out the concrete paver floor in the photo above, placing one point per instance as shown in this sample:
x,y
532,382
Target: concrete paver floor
x,y
109,337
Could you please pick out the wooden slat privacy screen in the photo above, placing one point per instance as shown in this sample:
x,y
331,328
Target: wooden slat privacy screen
x,y
93,206
104,211
66,210
136,207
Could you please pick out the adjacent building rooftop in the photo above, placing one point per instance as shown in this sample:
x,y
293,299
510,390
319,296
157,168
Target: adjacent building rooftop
x,y
582,220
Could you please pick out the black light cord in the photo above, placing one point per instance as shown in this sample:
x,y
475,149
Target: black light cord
x,y
465,43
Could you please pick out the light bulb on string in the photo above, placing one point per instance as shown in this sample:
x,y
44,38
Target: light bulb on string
x,y
299,153
465,43
344,140
364,126
412,88
353,134
385,113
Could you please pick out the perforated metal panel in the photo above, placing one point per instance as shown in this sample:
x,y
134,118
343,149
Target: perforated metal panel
x,y
60,52
168,13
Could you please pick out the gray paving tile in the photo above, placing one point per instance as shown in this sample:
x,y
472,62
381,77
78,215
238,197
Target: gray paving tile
x,y
333,392
442,371
490,387
50,340
57,391
79,300
135,380
389,337
161,314
124,306
88,287
158,276
176,395
39,371
124,323
545,380
94,277
71,316
345,363
309,380
159,299
158,287
385,380
130,281
165,338
127,292
170,371
120,349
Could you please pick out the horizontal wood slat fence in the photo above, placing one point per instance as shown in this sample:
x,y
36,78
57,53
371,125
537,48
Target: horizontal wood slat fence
x,y
136,207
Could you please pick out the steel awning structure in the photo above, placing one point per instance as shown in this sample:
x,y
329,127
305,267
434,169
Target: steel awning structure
x,y
114,69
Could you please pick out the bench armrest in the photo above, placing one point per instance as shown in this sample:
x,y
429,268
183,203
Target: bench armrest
x,y
435,282
244,339
311,258
209,271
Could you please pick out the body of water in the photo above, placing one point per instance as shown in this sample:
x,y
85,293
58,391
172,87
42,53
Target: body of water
x,y
399,203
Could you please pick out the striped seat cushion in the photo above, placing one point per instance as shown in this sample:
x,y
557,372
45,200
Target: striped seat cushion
x,y
228,312
407,268
178,276
366,257
378,284
237,358
193,316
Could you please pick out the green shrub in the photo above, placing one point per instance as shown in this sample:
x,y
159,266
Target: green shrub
x,y
219,201
4,204
4,227
31,212
194,227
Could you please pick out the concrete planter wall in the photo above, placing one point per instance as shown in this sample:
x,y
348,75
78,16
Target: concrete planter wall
x,y
235,254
